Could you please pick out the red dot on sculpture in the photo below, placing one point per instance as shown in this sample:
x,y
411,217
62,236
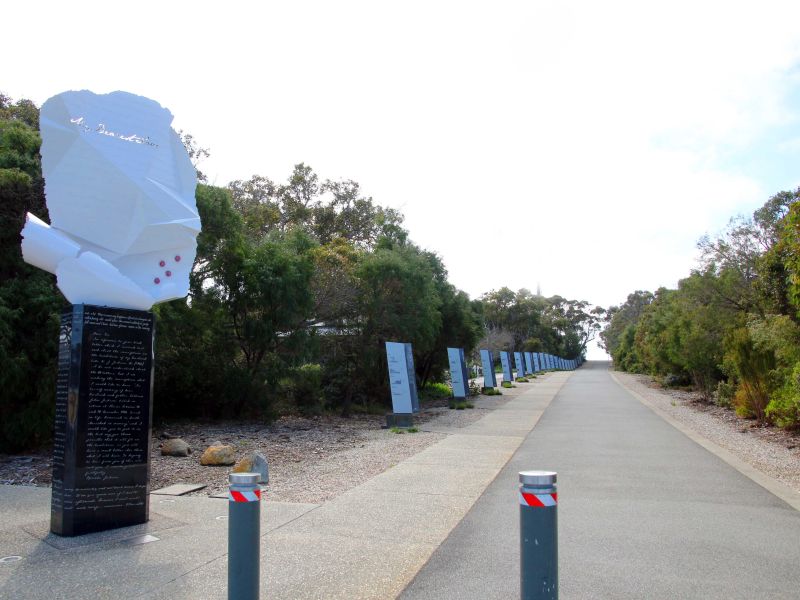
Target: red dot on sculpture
x,y
161,263
178,258
156,281
168,273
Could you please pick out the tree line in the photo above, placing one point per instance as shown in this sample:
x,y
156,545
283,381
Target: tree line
x,y
732,327
296,287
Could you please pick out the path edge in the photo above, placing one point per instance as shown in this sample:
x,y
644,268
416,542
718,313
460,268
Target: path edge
x,y
769,483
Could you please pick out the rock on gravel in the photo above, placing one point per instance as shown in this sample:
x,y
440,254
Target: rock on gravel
x,y
218,455
175,447
255,463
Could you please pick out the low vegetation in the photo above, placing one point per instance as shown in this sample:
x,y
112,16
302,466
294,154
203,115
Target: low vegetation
x,y
435,391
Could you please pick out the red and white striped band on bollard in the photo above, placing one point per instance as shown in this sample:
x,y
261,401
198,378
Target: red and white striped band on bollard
x,y
253,496
244,536
538,500
538,535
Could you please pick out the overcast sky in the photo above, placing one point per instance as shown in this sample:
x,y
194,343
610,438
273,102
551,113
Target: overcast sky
x,y
580,146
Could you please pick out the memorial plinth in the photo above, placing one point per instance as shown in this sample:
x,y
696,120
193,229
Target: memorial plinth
x,y
120,190
528,363
104,401
519,364
489,379
459,377
402,384
505,361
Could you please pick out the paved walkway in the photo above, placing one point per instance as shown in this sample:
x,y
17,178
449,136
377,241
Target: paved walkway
x,y
369,542
644,512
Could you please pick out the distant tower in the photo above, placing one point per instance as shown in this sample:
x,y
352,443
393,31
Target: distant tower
x,y
538,289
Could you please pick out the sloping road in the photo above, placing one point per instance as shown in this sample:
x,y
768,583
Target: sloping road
x,y
644,512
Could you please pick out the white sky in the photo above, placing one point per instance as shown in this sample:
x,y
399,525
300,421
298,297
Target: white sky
x,y
582,146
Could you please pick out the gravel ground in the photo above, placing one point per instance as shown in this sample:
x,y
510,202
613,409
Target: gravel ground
x,y
768,449
310,459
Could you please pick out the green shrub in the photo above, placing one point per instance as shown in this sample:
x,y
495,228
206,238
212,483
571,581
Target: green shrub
x,y
780,336
304,387
490,391
723,395
507,384
29,328
751,366
435,391
521,380
784,406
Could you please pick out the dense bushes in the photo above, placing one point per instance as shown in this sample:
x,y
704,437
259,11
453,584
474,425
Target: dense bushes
x,y
732,327
304,389
29,303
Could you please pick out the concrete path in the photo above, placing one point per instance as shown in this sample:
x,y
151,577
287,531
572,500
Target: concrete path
x,y
368,542
644,512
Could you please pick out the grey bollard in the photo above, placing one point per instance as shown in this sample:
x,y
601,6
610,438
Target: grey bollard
x,y
244,536
538,535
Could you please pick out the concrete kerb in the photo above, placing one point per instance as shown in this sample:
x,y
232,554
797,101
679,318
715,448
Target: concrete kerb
x,y
772,485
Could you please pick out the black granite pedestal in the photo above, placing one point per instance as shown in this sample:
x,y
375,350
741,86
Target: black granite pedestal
x,y
403,420
104,405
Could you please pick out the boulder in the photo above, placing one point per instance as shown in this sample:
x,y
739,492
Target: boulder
x,y
255,463
175,447
218,455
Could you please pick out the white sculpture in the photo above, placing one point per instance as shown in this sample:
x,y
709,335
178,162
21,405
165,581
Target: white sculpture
x,y
120,191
